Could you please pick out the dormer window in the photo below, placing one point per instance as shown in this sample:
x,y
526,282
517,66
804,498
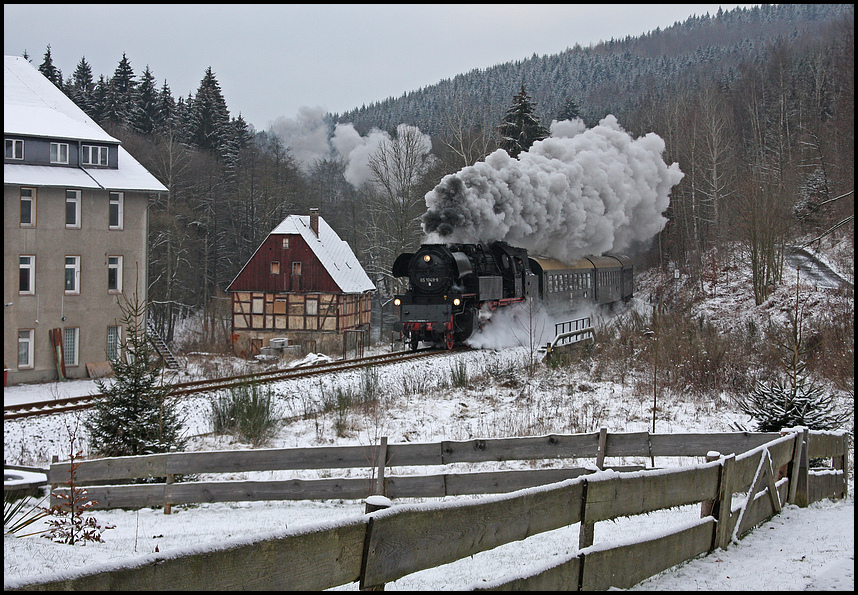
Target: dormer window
x,y
59,153
14,148
92,155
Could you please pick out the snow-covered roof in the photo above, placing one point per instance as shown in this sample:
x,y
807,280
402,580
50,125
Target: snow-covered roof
x,y
334,254
34,106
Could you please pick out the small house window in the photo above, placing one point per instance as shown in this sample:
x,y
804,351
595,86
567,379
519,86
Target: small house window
x,y
73,209
275,267
115,210
26,278
14,149
296,268
28,207
93,155
59,153
285,243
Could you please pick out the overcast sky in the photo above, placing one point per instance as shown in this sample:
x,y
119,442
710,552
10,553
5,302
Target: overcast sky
x,y
271,60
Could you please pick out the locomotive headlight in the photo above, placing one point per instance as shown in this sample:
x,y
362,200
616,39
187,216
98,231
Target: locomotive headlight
x,y
456,301
426,258
397,302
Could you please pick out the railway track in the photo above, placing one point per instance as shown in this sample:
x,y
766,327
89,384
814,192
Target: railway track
x,y
202,386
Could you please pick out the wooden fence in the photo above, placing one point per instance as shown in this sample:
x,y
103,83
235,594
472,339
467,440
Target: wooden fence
x,y
386,545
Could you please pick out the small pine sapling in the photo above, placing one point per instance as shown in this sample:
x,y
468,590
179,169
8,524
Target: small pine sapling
x,y
67,522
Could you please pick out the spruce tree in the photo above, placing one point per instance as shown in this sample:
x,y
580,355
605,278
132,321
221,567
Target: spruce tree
x,y
569,111
145,113
136,414
122,94
520,127
209,116
51,72
165,109
82,87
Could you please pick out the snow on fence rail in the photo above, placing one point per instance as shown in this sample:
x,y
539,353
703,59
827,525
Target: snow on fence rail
x,y
386,545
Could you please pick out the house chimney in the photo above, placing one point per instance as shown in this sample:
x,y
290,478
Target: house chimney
x,y
314,221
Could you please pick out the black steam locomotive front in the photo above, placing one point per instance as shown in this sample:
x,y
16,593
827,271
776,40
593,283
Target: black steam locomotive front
x,y
448,284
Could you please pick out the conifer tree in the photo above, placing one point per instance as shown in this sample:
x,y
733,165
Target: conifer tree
x,y
82,87
51,72
121,96
520,127
209,115
146,105
98,103
166,109
569,111
136,414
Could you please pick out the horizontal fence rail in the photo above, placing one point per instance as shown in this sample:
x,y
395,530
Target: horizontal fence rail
x,y
769,471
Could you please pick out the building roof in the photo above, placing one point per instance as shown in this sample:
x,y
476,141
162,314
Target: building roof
x,y
333,253
34,106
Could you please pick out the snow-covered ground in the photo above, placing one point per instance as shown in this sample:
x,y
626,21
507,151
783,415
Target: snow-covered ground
x,y
800,549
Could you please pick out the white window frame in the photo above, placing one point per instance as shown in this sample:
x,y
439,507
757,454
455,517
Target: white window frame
x,y
31,268
114,266
114,343
71,342
117,199
90,151
73,196
60,153
32,200
312,307
14,149
73,266
25,336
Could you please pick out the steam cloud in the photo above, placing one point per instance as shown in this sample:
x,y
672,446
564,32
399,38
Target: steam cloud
x,y
581,191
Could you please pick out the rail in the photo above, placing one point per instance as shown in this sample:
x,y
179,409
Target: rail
x,y
62,405
383,546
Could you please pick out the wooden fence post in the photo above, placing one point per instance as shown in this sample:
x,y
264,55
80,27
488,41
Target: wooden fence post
x,y
839,463
724,504
800,472
707,506
372,504
382,463
587,530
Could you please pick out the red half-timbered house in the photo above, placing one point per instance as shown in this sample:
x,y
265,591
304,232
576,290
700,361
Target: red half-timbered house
x,y
304,284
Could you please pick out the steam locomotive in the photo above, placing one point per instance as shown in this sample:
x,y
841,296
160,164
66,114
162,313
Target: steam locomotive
x,y
450,284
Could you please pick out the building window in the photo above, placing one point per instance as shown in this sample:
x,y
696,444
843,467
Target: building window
x,y
27,275
114,274
285,243
59,153
296,268
25,348
72,285
114,335
14,149
28,207
91,155
116,208
312,307
73,209
275,267
70,342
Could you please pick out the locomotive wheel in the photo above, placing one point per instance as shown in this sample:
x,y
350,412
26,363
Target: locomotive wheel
x,y
413,342
449,341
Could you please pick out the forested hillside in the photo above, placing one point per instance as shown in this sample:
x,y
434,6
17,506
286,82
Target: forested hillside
x,y
755,105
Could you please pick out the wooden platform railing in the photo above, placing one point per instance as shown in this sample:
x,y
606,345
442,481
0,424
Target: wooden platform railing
x,y
386,545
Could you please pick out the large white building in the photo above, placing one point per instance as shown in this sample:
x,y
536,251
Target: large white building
x,y
75,215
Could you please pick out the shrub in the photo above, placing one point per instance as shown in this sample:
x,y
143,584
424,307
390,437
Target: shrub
x,y
245,410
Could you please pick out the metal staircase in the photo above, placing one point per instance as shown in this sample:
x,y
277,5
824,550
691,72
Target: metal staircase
x,y
160,346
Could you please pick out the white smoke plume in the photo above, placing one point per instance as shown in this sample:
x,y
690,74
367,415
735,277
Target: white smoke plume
x,y
306,135
356,150
579,192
